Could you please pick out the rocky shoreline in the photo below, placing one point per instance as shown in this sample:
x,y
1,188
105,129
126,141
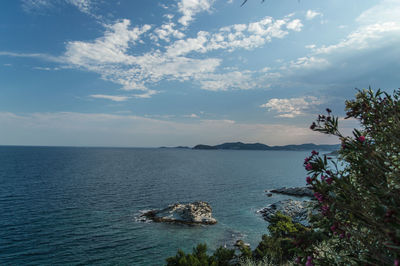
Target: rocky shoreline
x,y
293,191
198,212
299,211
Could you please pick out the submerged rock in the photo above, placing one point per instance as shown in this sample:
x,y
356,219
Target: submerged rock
x,y
294,191
297,210
198,212
240,243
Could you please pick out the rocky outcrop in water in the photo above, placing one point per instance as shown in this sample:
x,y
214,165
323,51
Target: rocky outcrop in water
x,y
294,191
240,244
198,212
297,210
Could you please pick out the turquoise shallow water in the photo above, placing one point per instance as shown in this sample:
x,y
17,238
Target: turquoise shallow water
x,y
75,206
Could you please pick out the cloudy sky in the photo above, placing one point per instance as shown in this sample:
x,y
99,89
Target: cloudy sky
x,y
181,72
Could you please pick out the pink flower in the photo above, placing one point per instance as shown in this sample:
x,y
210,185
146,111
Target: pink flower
x,y
333,228
396,262
325,209
308,167
314,153
361,138
329,180
306,159
309,180
309,261
389,213
319,196
322,178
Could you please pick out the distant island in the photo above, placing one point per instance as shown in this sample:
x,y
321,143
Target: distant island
x,y
263,147
177,147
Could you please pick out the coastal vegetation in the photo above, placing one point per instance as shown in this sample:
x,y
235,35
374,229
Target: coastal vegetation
x,y
356,217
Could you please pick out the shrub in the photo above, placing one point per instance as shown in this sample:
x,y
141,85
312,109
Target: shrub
x,y
263,262
360,204
199,257
280,247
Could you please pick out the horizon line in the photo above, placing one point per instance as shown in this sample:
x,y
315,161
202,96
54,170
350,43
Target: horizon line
x,y
144,147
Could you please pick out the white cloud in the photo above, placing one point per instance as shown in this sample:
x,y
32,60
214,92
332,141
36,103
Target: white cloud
x,y
117,58
111,48
182,47
168,16
311,14
242,80
43,68
291,107
146,94
84,6
381,21
366,37
32,55
309,62
34,5
245,36
167,30
378,27
47,68
110,97
157,66
191,116
384,11
189,8
269,28
108,56
295,25
221,82
111,55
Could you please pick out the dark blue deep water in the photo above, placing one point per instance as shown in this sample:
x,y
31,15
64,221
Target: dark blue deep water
x,y
75,206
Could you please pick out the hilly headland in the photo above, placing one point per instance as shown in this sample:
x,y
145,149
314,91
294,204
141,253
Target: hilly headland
x,y
264,147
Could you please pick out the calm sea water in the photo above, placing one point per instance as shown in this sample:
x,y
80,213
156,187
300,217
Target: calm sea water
x,y
80,205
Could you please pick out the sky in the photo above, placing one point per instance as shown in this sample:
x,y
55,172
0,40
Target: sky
x,y
149,73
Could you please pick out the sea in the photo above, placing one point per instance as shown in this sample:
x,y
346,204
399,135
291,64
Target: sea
x,y
82,206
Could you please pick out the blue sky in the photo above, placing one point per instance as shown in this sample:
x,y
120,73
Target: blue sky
x,y
183,72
